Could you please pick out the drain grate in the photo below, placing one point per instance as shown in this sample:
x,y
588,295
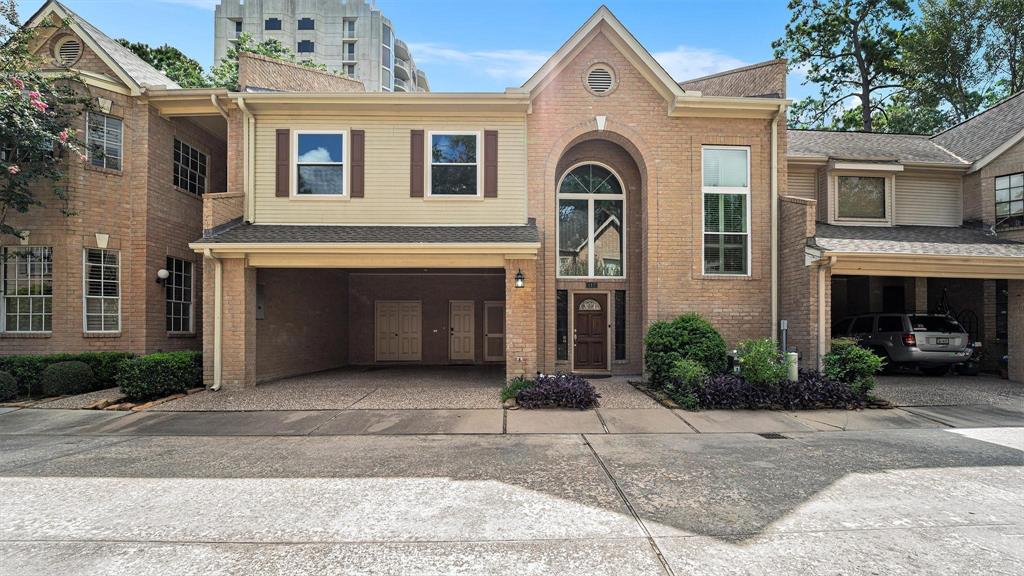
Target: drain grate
x,y
773,436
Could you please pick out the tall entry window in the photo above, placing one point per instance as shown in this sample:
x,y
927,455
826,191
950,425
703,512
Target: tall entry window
x,y
591,223
726,188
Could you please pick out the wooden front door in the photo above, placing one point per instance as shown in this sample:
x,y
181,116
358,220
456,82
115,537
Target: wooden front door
x,y
590,332
460,330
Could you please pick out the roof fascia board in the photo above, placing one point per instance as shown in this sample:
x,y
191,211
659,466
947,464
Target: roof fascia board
x,y
865,166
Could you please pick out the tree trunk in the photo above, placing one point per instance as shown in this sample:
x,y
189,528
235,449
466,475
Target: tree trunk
x,y
865,109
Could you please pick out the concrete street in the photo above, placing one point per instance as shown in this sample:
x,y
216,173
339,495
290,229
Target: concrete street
x,y
85,492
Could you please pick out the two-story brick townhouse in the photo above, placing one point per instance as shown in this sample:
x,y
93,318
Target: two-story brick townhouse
x,y
88,281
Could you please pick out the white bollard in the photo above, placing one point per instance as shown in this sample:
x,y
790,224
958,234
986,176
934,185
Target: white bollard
x,y
794,373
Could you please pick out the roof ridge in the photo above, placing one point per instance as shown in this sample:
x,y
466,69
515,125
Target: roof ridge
x,y
979,114
734,70
299,66
925,136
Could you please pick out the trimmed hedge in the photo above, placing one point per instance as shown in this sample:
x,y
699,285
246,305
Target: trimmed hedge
x,y
161,374
8,386
812,390
67,379
688,337
27,368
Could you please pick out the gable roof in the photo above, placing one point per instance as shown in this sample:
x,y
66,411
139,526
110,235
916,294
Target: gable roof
x,y
604,21
135,72
868,146
762,80
995,129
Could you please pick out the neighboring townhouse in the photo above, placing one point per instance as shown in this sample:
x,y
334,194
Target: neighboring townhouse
x,y
89,281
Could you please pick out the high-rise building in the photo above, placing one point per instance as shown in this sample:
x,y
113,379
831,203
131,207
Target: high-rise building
x,y
351,37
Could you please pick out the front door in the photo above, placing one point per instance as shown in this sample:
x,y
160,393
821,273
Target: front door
x,y
460,329
398,331
494,331
590,332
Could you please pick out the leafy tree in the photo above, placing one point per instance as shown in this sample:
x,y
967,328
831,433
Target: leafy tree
x,y
225,74
1004,49
38,110
187,72
850,48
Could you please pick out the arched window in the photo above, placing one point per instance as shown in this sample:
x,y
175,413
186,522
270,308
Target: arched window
x,y
591,223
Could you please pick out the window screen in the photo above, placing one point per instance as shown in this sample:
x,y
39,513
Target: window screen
x,y
620,324
562,324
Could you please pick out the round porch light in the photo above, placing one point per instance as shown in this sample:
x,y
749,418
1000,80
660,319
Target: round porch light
x,y
520,279
162,275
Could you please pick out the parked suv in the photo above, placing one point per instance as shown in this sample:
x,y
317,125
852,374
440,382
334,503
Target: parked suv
x,y
932,342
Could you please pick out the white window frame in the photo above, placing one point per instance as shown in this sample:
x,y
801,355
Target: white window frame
x,y
294,168
1010,187
717,190
192,295
429,157
389,66
890,181
88,141
86,297
590,198
4,255
206,163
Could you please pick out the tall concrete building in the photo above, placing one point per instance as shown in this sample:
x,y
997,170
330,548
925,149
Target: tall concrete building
x,y
352,37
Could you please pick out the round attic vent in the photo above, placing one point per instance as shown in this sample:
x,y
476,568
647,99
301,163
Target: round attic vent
x,y
69,51
600,80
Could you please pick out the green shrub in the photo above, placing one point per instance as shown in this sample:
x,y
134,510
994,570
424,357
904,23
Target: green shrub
x,y
8,386
514,386
850,363
66,379
686,379
27,368
688,337
761,363
159,375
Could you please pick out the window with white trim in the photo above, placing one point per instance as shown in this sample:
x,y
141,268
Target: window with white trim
x,y
591,223
27,289
454,164
860,198
387,63
189,168
726,190
179,287
104,135
1010,199
319,163
102,294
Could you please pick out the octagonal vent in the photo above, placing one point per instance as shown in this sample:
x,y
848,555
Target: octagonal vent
x,y
600,80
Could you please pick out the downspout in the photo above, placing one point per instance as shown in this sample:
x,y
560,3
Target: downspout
x,y
775,222
216,104
218,288
823,265
248,169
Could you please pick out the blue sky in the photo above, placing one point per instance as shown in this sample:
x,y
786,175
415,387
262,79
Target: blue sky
x,y
488,45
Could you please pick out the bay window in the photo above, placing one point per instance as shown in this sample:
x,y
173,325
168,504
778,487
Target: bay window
x,y
726,192
591,223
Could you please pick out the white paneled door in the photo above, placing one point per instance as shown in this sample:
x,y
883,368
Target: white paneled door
x,y
398,331
460,327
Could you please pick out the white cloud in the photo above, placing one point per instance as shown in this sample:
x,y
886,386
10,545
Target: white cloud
x,y
316,155
687,62
511,65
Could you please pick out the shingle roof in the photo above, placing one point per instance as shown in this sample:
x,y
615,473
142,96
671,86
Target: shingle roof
x,y
975,137
924,240
867,146
766,79
318,234
136,68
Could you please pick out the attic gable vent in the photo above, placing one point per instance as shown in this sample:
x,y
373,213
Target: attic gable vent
x,y
69,51
600,80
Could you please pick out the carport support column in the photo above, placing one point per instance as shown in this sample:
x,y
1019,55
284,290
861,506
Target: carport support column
x,y
1015,329
921,295
520,319
238,322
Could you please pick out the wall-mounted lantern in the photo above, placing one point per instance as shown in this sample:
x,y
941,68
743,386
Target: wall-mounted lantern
x,y
520,279
161,276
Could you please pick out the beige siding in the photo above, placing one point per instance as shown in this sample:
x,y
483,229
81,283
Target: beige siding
x,y
803,183
928,200
821,175
387,198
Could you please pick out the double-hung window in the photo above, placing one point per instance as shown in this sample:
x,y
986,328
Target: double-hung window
x,y
860,198
454,164
102,292
104,138
591,223
189,168
1010,199
27,289
726,191
179,286
319,163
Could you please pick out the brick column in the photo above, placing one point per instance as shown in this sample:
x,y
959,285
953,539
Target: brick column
x,y
921,295
238,318
520,319
1015,329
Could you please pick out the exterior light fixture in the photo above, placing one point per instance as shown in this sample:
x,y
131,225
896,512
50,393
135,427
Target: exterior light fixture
x,y
520,279
162,275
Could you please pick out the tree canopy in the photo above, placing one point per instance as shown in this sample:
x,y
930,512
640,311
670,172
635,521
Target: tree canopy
x,y
225,74
188,73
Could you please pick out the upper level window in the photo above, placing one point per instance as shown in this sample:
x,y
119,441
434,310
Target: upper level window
x,y
305,46
104,136
454,169
348,51
319,163
238,28
1010,199
102,293
348,27
189,168
272,24
27,302
386,63
860,197
591,223
306,24
350,70
726,191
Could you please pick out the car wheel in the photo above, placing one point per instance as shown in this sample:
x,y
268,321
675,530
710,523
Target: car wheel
x,y
935,370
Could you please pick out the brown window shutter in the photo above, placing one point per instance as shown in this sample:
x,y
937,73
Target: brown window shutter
x,y
490,164
283,164
416,165
356,163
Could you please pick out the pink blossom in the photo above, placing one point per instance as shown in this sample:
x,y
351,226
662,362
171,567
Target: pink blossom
x,y
34,96
18,82
13,169
83,157
40,105
64,135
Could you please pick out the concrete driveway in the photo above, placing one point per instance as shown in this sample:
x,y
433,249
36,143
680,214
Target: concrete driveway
x,y
950,390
